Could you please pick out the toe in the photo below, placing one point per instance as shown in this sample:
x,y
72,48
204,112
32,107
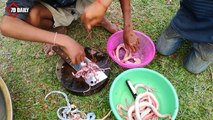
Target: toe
x,y
48,50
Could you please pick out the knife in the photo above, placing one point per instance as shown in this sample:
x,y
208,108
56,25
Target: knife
x,y
132,89
92,80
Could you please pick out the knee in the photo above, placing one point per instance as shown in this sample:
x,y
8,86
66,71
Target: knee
x,y
34,16
162,48
4,25
2,28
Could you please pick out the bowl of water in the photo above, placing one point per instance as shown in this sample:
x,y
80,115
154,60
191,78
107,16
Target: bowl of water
x,y
163,90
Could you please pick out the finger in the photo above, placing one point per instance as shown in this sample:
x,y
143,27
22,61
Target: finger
x,y
132,49
86,22
82,57
83,18
135,45
138,45
90,23
95,21
127,46
135,48
88,27
73,60
78,59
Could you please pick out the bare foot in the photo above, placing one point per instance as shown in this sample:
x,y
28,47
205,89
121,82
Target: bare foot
x,y
48,47
112,28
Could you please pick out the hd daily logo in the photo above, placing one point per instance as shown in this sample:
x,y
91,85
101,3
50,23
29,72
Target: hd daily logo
x,y
13,9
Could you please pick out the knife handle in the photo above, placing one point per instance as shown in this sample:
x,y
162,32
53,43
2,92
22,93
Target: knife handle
x,y
132,89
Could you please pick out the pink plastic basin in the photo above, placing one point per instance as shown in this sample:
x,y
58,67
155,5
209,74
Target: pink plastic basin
x,y
147,49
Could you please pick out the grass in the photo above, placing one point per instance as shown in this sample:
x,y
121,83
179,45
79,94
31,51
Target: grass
x,y
29,75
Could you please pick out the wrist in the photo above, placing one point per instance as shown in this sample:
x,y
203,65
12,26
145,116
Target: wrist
x,y
128,29
128,24
104,3
62,40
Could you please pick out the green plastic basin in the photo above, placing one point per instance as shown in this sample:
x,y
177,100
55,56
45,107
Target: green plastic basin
x,y
163,90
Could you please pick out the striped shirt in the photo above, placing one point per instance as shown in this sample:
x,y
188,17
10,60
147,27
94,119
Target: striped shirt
x,y
194,20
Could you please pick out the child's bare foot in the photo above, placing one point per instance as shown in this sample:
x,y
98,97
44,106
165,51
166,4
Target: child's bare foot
x,y
112,28
48,47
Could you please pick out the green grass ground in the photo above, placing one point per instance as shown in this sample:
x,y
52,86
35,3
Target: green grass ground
x,y
29,75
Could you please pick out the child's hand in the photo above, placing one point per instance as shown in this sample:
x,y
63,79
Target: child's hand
x,y
74,50
93,14
131,40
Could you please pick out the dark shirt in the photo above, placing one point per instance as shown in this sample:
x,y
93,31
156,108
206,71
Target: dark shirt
x,y
60,3
29,4
194,20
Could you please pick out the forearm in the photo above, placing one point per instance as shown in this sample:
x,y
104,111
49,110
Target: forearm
x,y
131,40
126,10
18,29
